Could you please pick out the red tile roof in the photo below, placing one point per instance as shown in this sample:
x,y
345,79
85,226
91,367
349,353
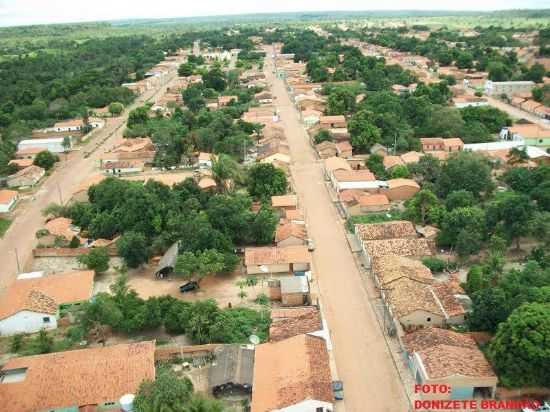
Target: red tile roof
x,y
79,377
290,371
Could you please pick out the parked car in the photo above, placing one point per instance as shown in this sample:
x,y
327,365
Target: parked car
x,y
542,408
338,390
189,287
310,245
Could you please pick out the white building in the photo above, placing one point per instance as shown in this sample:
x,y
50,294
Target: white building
x,y
33,302
508,88
8,199
54,144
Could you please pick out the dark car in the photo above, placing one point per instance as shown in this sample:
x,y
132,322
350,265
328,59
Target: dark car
x,y
338,390
189,287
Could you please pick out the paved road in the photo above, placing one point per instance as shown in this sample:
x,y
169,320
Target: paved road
x,y
61,184
362,358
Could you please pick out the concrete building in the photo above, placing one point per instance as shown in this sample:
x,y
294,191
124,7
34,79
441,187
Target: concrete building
x,y
508,88
54,144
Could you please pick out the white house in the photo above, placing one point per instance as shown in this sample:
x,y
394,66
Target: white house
x,y
53,144
8,199
33,302
309,405
205,160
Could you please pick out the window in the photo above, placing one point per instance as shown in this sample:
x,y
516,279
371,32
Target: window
x,y
46,319
319,409
109,403
429,319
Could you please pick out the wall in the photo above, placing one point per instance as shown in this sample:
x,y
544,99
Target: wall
x,y
309,405
293,299
400,193
26,322
255,269
291,241
5,208
420,318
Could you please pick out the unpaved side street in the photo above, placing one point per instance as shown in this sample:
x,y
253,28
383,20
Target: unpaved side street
x,y
363,362
63,181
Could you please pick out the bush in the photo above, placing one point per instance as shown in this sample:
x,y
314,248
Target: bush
x,y
436,265
262,299
45,160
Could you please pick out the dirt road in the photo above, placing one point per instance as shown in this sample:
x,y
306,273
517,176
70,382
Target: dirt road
x,y
516,113
20,237
362,358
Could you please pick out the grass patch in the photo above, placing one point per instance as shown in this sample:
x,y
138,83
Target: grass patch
x,y
4,226
373,218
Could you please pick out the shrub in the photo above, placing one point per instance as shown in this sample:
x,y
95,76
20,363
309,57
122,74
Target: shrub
x,y
436,265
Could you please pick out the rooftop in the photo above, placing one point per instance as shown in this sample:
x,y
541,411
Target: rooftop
x,y
406,296
284,201
79,377
269,255
294,321
62,227
444,361
233,363
336,163
400,182
362,175
401,247
290,371
429,337
287,230
7,196
44,294
385,230
392,267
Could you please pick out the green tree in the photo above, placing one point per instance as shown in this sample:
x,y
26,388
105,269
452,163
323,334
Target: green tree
x,y
465,171
323,135
427,170
116,108
138,116
197,265
167,393
66,143
520,347
45,160
363,133
536,72
186,69
375,163
489,308
265,180
132,247
215,79
459,198
511,213
97,259
419,206
263,226
399,171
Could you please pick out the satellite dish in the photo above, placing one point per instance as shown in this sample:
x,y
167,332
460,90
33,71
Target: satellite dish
x,y
254,339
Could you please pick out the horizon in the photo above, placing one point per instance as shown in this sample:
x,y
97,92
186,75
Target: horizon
x,y
25,13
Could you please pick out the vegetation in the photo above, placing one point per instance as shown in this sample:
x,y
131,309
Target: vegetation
x,y
202,321
45,159
97,259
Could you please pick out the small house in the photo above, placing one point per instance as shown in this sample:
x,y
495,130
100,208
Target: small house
x,y
232,370
400,189
332,122
8,199
290,290
290,234
27,177
34,302
269,259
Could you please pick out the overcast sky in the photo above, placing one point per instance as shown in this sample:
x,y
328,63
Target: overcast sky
x,y
23,12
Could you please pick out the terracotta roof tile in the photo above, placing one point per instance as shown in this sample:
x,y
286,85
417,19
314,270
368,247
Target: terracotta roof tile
x,y
443,360
401,247
40,293
267,255
290,371
363,175
406,296
374,200
445,292
393,183
6,196
61,226
334,163
79,377
286,230
391,161
429,337
392,267
386,230
304,321
284,201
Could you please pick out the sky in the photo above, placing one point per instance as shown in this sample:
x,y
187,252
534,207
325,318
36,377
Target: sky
x,y
25,12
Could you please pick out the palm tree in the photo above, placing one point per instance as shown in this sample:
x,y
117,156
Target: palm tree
x,y
517,155
223,169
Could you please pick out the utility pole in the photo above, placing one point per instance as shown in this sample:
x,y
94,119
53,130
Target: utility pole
x,y
17,260
60,196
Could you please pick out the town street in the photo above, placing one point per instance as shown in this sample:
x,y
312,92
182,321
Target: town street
x,y
69,173
362,358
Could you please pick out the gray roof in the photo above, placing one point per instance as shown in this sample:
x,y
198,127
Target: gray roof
x,y
233,364
169,258
294,284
